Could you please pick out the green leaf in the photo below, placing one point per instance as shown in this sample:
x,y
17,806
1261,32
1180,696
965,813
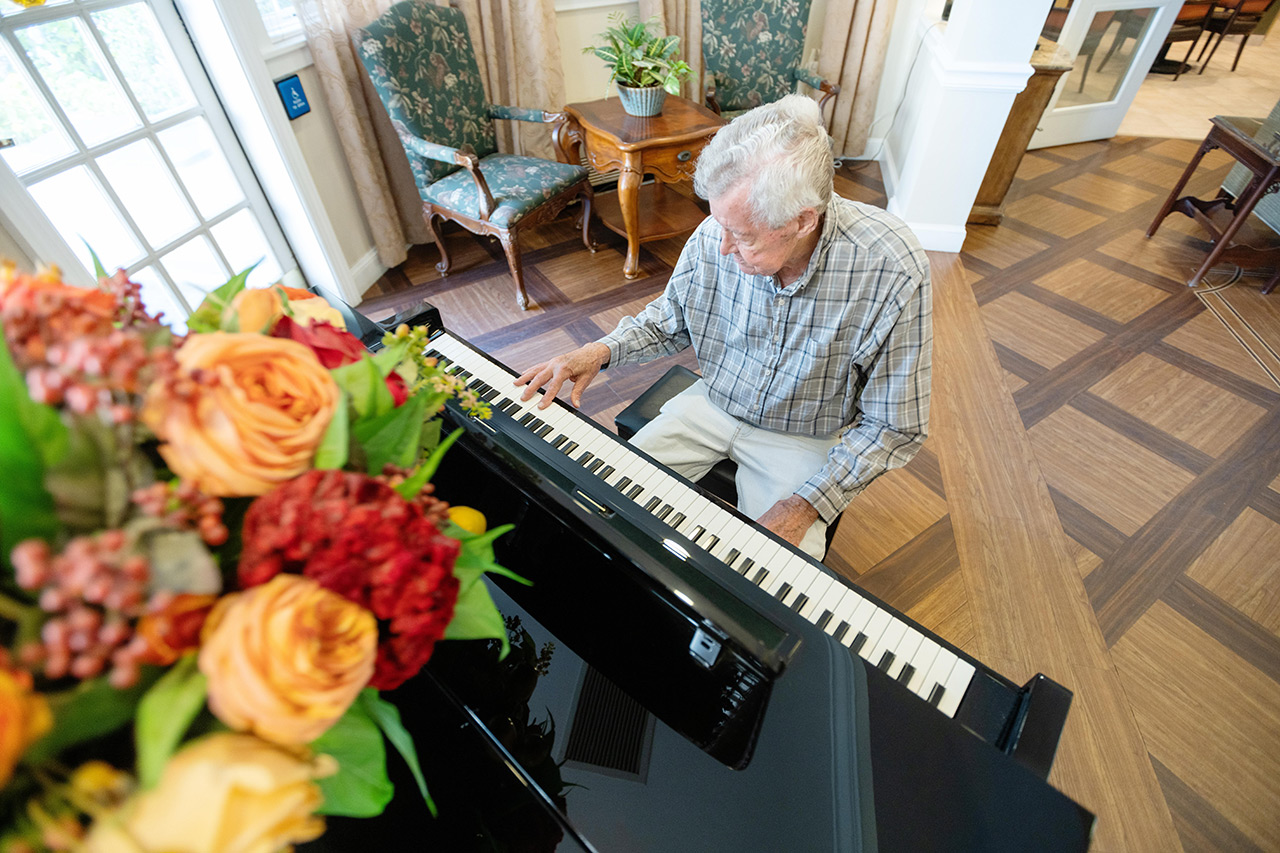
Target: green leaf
x,y
335,443
390,356
392,438
91,710
364,382
208,317
388,719
360,788
164,715
99,271
32,438
476,617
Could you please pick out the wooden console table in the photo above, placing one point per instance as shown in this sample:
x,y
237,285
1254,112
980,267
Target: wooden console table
x,y
665,146
1254,147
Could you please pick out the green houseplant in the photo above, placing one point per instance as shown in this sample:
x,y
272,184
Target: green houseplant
x,y
641,62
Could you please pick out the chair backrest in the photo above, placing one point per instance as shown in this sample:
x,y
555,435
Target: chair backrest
x,y
421,63
752,49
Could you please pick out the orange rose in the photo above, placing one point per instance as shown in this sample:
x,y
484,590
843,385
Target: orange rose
x,y
225,793
287,658
245,413
24,718
256,309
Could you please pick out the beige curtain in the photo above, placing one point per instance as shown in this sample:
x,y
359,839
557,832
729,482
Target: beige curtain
x,y
855,37
524,72
681,18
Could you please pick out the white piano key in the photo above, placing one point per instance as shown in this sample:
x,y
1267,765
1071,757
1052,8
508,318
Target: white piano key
x,y
885,640
876,625
904,651
943,663
923,662
957,683
816,590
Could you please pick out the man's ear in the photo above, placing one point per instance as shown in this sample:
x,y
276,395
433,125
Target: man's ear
x,y
808,221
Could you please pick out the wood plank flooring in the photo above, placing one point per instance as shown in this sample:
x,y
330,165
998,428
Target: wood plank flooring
x,y
1099,498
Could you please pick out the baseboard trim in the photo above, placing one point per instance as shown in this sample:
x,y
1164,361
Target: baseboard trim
x,y
366,271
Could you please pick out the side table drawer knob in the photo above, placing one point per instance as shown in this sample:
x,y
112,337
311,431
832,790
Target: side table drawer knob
x,y
685,156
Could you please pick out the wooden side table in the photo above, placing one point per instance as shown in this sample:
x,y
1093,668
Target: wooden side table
x,y
1255,148
665,146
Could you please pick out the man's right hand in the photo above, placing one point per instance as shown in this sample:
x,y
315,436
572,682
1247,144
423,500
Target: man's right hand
x,y
577,368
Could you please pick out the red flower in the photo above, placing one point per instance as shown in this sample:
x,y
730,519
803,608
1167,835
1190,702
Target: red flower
x,y
359,538
335,347
332,345
173,630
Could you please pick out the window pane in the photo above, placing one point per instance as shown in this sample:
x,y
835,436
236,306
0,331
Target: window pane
x,y
146,188
157,298
243,244
201,166
195,269
73,69
136,41
24,118
82,213
280,18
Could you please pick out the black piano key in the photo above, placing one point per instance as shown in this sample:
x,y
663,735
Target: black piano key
x,y
824,619
606,472
886,661
536,424
800,602
677,520
697,533
595,465
666,510
586,457
935,695
783,592
858,642
506,405
544,430
490,394
527,419
760,576
653,502
568,449
904,677
841,630
559,440
635,491
733,554
623,483
712,542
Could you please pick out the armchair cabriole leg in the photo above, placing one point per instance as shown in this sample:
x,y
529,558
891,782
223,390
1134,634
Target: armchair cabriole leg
x,y
511,246
433,225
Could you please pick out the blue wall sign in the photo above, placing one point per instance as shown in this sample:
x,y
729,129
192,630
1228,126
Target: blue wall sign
x,y
295,100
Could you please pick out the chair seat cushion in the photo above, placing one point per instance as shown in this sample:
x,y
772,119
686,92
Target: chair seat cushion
x,y
518,184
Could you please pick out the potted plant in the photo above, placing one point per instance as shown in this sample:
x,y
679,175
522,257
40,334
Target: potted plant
x,y
642,64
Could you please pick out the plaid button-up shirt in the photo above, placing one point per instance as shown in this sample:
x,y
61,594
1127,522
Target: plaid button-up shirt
x,y
844,349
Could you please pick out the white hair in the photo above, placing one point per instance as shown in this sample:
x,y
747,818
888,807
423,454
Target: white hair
x,y
782,149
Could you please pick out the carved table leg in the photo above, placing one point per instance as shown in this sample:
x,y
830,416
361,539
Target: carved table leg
x,y
628,201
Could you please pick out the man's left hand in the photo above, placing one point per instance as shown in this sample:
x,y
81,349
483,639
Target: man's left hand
x,y
789,518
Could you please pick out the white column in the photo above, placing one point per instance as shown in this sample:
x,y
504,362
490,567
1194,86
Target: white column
x,y
968,71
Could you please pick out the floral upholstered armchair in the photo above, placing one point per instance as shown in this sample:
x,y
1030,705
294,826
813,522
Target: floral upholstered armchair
x,y
420,61
752,52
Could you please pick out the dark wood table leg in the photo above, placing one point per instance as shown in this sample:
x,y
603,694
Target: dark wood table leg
x,y
628,201
1167,208
1255,190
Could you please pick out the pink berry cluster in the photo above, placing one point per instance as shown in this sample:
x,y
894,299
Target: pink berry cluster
x,y
183,506
94,590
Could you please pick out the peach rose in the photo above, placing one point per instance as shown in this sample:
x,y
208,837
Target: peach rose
x,y
24,718
245,413
287,658
256,309
225,793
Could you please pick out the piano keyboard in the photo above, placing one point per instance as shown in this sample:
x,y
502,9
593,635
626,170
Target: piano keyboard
x,y
882,638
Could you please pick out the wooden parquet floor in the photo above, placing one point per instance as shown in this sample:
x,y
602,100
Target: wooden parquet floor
x,y
1099,498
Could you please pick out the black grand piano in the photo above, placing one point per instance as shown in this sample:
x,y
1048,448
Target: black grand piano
x,y
682,680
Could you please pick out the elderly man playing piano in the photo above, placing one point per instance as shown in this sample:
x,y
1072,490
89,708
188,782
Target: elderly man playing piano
x,y
810,317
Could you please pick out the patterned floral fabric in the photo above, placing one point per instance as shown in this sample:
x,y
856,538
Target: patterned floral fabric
x,y
752,49
420,60
518,184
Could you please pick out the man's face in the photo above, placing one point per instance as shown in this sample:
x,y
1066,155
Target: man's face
x,y
757,249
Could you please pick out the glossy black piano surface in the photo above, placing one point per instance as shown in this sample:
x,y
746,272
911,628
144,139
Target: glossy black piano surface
x,y
651,730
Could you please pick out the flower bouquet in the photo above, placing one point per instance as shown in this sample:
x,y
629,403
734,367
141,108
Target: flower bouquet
x,y
217,550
